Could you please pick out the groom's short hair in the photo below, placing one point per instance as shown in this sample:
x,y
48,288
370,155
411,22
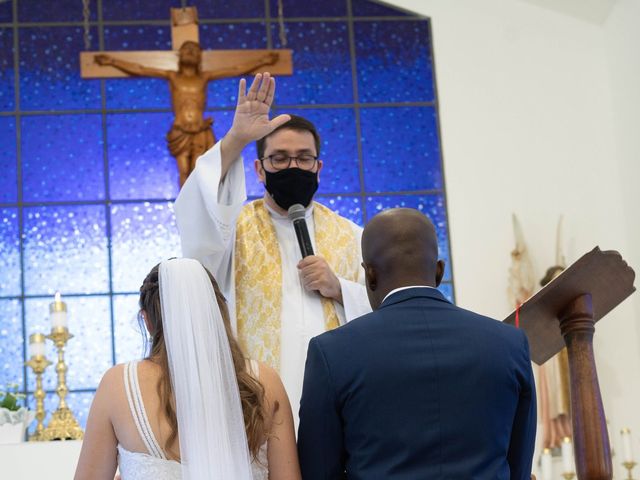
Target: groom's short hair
x,y
297,123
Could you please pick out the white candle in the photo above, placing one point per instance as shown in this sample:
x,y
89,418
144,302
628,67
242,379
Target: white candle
x,y
58,319
568,465
546,465
36,345
58,312
627,450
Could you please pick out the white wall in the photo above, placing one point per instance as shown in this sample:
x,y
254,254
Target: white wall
x,y
540,114
622,41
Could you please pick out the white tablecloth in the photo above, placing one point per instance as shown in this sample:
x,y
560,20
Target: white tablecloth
x,y
39,460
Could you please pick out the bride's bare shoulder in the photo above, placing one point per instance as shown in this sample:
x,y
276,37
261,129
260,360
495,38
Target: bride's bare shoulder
x,y
274,391
113,376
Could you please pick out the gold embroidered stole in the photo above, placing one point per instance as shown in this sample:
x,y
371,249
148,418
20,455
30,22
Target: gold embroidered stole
x,y
258,275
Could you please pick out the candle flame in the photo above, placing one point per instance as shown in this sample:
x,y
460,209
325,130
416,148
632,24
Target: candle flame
x,y
57,297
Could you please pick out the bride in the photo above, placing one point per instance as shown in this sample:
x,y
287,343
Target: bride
x,y
195,408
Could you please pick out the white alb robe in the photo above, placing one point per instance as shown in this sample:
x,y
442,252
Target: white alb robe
x,y
206,213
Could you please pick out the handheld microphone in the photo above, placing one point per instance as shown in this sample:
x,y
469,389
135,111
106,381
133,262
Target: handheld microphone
x,y
296,215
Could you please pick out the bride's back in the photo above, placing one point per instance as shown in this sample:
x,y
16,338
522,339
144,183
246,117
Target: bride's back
x,y
149,375
124,425
134,409
143,430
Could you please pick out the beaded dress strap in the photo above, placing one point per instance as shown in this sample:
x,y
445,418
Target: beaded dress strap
x,y
134,397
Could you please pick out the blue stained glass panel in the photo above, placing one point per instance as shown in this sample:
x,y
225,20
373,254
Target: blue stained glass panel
x,y
433,206
138,9
62,158
11,343
296,8
9,178
338,150
132,93
348,207
129,339
217,9
65,249
10,273
88,354
321,64
50,70
7,78
140,165
6,11
143,234
400,149
224,92
371,8
394,61
64,11
137,37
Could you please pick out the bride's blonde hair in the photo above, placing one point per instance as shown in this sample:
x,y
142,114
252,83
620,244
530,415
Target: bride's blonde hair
x,y
251,390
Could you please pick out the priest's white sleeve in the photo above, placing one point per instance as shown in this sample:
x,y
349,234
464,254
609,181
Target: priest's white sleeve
x,y
354,294
206,211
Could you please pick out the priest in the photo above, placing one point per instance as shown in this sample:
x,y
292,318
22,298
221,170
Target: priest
x,y
277,299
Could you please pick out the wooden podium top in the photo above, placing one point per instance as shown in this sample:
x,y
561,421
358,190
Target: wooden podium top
x,y
603,274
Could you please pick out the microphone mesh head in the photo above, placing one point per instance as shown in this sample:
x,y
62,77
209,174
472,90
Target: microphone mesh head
x,y
296,212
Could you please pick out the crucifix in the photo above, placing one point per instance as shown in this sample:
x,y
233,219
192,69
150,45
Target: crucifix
x,y
191,134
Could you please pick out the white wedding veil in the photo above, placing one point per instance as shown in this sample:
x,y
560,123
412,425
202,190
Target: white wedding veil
x,y
213,442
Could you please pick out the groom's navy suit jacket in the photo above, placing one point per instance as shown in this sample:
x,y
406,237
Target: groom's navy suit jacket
x,y
418,389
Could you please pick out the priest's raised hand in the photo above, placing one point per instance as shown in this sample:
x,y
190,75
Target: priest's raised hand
x,y
251,118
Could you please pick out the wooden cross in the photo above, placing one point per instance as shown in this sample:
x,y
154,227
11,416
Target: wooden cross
x,y
184,27
188,69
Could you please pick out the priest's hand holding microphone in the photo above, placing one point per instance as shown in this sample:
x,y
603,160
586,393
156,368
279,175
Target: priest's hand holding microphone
x,y
315,272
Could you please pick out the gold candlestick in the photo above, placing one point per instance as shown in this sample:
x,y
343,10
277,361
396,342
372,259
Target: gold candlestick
x,y
63,425
629,466
38,363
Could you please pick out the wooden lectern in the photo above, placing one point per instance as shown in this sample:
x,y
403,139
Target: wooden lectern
x,y
563,313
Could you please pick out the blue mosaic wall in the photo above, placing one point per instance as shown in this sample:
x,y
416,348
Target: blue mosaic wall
x,y
87,185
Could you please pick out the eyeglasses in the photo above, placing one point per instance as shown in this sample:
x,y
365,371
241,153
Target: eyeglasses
x,y
281,161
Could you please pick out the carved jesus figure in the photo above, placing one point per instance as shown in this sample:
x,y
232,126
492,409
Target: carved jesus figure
x,y
191,134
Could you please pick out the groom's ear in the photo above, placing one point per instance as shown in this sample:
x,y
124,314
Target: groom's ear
x,y
370,277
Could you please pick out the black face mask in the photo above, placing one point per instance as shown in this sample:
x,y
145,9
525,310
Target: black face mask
x,y
290,186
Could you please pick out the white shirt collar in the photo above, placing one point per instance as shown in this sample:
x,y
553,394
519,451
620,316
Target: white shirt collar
x,y
307,214
396,290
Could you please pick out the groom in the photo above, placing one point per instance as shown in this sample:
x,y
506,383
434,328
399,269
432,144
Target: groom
x,y
419,388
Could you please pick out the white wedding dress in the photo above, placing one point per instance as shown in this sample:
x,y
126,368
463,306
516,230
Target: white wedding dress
x,y
155,465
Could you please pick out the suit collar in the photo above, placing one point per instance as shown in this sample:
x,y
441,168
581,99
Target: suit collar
x,y
402,295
